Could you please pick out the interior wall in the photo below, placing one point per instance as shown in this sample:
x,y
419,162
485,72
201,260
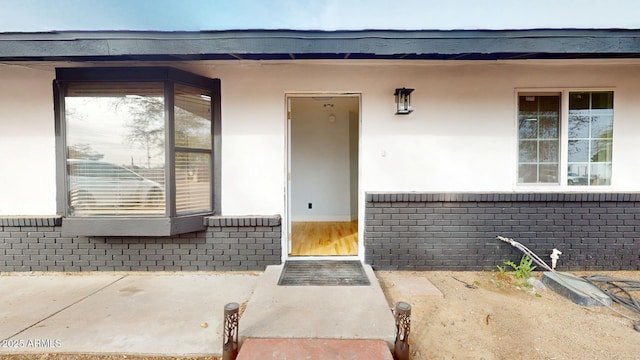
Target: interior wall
x,y
320,160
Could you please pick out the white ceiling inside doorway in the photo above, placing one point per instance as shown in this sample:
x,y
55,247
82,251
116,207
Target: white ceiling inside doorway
x,y
329,103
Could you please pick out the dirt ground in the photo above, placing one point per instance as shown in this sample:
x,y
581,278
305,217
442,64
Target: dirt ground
x,y
499,321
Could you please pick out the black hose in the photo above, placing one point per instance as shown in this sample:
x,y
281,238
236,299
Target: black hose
x,y
619,290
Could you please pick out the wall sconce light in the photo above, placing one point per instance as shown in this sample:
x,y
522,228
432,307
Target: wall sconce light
x,y
403,101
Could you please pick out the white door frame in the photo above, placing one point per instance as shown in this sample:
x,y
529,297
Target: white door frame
x,y
286,222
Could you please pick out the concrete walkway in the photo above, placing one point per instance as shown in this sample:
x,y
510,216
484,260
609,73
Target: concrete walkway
x,y
177,314
153,314
327,312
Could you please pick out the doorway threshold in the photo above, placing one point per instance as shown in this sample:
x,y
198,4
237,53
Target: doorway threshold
x,y
323,273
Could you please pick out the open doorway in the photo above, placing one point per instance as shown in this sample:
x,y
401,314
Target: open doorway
x,y
323,175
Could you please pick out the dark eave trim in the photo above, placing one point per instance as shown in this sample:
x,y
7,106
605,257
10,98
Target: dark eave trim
x,y
333,45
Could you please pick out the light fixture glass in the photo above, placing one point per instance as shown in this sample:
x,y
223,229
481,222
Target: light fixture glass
x,y
403,101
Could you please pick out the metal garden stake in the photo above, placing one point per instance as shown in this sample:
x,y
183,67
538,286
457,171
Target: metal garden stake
x,y
230,339
403,327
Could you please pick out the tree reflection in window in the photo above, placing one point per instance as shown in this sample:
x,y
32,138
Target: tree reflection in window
x,y
115,148
590,138
538,138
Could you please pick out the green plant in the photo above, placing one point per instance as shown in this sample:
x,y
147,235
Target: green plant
x,y
522,270
503,271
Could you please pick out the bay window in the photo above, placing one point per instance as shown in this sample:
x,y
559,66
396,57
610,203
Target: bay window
x,y
138,150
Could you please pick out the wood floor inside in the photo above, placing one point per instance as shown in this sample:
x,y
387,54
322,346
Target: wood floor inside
x,y
324,238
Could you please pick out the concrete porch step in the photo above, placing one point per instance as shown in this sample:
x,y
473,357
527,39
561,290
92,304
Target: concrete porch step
x,y
314,349
317,312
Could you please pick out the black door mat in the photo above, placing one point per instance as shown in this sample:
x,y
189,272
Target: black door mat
x,y
323,273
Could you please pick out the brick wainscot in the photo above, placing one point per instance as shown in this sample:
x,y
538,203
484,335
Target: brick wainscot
x,y
228,244
457,231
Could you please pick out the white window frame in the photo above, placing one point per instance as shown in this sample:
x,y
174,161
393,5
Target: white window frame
x,y
564,140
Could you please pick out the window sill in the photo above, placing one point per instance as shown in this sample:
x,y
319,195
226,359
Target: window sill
x,y
133,226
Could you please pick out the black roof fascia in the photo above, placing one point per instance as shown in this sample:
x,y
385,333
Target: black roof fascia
x,y
162,73
293,44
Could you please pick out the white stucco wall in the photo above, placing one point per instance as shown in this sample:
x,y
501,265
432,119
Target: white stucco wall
x,y
461,137
27,141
